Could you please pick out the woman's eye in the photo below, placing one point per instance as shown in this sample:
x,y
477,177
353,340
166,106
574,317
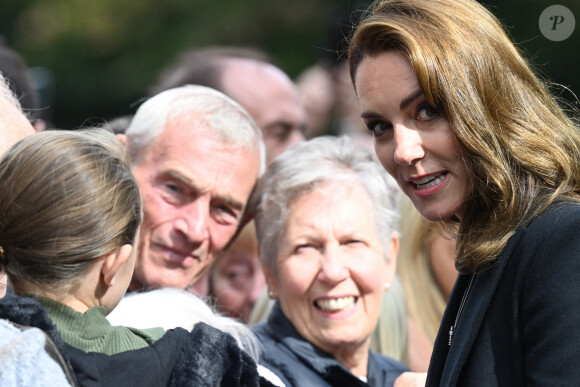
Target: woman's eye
x,y
426,112
378,128
303,247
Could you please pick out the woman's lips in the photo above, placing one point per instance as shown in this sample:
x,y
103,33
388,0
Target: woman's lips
x,y
429,181
335,304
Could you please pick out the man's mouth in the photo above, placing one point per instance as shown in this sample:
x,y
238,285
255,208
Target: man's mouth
x,y
180,257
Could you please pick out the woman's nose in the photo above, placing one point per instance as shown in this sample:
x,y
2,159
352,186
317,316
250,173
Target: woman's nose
x,y
332,267
408,145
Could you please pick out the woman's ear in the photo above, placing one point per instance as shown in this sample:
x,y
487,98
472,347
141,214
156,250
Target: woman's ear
x,y
271,282
113,262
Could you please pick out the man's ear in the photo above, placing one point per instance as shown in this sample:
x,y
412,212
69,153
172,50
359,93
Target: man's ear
x,y
113,262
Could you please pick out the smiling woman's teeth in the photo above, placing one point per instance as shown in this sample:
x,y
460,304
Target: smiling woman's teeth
x,y
429,181
335,304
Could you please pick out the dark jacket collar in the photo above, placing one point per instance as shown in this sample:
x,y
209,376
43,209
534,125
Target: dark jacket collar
x,y
28,312
321,361
447,361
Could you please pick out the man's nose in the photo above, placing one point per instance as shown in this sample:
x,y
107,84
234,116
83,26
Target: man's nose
x,y
193,221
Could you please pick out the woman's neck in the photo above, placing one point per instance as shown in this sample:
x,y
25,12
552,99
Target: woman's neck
x,y
356,361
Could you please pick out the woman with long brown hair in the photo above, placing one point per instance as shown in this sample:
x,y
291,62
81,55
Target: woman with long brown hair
x,y
478,142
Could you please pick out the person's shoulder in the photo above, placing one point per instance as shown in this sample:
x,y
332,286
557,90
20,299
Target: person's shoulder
x,y
557,217
25,357
260,329
213,357
266,334
555,232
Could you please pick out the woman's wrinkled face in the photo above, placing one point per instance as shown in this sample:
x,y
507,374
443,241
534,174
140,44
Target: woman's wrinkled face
x,y
331,268
414,143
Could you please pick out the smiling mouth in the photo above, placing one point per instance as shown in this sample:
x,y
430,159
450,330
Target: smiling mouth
x,y
335,304
429,181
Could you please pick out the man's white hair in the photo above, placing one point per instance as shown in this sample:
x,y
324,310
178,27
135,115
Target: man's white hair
x,y
215,112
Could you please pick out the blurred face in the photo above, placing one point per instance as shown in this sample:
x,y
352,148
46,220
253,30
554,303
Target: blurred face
x,y
331,269
414,142
237,280
194,192
271,98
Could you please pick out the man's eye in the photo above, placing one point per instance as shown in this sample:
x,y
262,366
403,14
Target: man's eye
x,y
225,214
280,132
172,187
227,210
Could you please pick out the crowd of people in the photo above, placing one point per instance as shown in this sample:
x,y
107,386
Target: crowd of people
x,y
218,238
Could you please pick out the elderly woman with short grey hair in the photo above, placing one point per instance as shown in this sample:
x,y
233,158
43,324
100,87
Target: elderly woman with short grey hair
x,y
326,222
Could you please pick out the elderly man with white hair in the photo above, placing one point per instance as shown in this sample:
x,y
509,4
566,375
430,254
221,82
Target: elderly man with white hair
x,y
196,155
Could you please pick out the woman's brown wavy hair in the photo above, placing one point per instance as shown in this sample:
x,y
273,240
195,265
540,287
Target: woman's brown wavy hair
x,y
521,148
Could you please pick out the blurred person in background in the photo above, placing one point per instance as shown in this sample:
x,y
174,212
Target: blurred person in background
x,y
246,76
236,279
426,268
13,123
15,71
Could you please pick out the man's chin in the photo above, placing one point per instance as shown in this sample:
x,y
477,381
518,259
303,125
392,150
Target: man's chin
x,y
144,283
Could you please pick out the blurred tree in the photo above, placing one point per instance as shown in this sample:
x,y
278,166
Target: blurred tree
x,y
103,54
557,62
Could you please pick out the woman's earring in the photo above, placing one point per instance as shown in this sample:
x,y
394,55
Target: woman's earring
x,y
271,294
387,285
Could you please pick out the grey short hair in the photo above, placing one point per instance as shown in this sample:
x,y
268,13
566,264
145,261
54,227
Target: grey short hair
x,y
304,167
221,116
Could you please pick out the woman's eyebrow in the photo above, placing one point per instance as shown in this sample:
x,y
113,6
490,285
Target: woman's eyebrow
x,y
409,100
402,106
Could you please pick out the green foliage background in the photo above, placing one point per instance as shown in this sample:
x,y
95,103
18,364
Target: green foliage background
x,y
103,54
